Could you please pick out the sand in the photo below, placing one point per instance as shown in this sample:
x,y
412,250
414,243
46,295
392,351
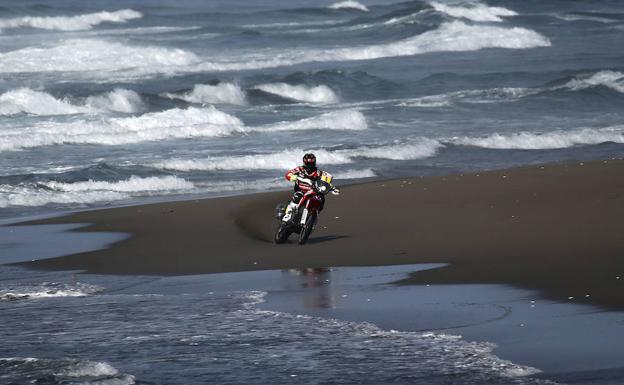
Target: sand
x,y
557,229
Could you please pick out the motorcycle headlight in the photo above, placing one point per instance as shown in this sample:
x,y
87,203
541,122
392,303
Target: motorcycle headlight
x,y
323,188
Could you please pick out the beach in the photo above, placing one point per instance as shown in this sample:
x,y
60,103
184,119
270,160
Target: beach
x,y
553,228
527,258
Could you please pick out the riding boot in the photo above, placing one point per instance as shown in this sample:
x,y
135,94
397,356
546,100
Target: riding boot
x,y
289,211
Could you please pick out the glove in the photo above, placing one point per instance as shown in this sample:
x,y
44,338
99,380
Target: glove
x,y
293,177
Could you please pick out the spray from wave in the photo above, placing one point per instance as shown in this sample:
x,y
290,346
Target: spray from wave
x,y
120,100
222,93
610,79
349,4
474,12
319,94
71,23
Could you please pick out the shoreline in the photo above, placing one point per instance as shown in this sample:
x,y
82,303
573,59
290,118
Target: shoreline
x,y
552,228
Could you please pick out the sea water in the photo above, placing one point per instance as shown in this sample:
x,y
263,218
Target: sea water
x,y
104,103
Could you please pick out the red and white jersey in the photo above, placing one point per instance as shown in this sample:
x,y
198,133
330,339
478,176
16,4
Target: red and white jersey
x,y
300,172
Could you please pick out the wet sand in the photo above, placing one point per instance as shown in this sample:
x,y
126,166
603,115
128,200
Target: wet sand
x,y
557,229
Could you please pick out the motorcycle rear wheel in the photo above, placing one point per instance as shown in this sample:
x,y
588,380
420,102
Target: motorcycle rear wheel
x,y
307,228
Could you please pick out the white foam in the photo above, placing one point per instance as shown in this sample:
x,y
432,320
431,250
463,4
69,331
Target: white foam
x,y
408,19
449,37
319,94
283,160
25,100
170,124
584,18
89,369
474,11
611,79
120,100
173,123
71,23
549,140
107,60
286,159
48,290
222,93
133,184
491,95
423,148
335,120
89,191
349,4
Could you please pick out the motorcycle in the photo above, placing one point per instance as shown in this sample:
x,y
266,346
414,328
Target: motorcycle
x,y
304,216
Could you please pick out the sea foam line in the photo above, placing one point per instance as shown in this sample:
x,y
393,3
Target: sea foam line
x,y
71,23
92,191
283,160
544,141
170,124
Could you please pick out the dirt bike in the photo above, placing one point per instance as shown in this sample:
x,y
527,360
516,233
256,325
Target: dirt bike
x,y
304,216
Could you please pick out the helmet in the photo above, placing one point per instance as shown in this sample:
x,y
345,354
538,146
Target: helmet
x,y
309,162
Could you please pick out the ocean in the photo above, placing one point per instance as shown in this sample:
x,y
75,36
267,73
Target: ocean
x,y
107,103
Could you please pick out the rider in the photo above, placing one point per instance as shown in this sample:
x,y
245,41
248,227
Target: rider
x,y
304,176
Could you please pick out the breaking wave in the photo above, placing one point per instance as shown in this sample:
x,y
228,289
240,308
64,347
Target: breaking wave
x,y
452,36
492,95
319,94
335,120
26,100
71,23
91,191
284,160
610,79
170,124
349,4
120,100
474,12
97,56
102,58
543,141
222,93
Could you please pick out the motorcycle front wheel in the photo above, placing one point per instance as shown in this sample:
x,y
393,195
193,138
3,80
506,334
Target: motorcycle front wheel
x,y
282,233
307,228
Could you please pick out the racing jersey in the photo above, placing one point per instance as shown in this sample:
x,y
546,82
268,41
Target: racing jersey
x,y
298,173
